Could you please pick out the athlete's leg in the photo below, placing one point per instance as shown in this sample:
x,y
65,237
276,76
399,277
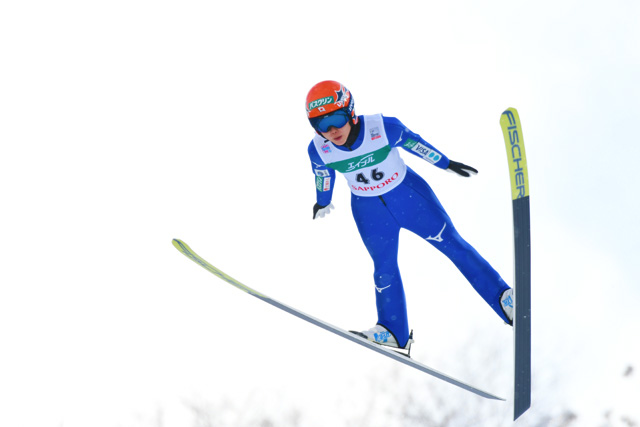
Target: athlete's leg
x,y
430,221
380,233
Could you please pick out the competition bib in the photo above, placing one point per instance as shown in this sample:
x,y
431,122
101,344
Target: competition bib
x,y
372,169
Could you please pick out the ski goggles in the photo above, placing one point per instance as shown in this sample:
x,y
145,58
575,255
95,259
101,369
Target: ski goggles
x,y
336,119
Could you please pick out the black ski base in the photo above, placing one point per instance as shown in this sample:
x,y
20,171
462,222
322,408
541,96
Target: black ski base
x,y
522,318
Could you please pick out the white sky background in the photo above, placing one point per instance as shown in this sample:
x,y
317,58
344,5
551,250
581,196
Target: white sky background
x,y
124,124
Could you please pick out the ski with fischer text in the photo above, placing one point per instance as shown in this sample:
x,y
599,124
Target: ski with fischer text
x,y
517,159
189,253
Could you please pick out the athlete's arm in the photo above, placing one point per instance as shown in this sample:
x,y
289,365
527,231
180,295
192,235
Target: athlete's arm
x,y
401,136
325,179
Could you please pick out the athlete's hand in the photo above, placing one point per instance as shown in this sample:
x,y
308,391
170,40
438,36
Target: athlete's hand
x,y
461,169
321,211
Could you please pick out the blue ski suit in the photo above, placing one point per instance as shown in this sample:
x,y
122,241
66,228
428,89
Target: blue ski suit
x,y
398,200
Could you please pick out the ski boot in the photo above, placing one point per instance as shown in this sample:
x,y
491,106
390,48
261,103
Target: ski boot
x,y
506,302
381,335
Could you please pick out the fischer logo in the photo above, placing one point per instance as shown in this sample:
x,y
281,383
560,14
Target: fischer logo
x,y
361,163
516,155
378,186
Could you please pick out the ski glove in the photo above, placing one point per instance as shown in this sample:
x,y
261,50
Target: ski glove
x,y
461,169
321,211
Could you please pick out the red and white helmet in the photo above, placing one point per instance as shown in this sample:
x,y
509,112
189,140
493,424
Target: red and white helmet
x,y
329,97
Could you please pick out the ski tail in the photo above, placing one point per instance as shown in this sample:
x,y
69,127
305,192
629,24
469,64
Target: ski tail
x,y
518,172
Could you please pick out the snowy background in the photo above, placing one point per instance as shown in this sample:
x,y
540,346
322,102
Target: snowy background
x,y
125,124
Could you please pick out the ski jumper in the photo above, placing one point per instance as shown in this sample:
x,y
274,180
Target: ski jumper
x,y
387,196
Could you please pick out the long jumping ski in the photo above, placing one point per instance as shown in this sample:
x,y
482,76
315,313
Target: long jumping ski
x,y
514,141
189,253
